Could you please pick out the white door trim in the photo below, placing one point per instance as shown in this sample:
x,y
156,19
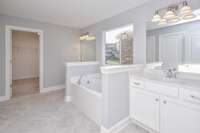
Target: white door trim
x,y
8,44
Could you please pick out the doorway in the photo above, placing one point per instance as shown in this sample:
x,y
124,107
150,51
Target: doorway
x,y
24,61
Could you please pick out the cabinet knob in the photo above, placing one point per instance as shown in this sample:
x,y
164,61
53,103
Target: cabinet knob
x,y
194,97
157,99
165,102
136,83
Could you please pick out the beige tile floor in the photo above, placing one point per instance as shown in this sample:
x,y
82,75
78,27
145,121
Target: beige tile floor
x,y
24,87
47,113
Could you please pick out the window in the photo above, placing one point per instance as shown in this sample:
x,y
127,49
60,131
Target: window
x,y
119,46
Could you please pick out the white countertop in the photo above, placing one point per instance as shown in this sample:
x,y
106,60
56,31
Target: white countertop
x,y
178,83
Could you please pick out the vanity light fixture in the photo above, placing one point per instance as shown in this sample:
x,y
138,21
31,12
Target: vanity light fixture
x,y
174,13
87,37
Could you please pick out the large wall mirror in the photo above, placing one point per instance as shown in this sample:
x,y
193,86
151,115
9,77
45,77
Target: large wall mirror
x,y
173,44
88,48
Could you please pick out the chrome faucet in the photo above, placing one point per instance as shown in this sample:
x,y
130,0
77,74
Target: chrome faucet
x,y
171,73
80,78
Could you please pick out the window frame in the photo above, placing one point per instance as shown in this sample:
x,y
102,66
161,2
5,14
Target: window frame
x,y
103,50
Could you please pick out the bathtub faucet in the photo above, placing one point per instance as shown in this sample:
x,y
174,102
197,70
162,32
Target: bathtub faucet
x,y
80,78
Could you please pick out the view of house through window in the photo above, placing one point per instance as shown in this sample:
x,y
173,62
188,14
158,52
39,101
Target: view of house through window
x,y
119,46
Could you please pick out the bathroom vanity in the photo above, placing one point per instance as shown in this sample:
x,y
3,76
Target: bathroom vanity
x,y
164,105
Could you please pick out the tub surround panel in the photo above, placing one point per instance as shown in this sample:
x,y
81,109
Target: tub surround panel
x,y
74,69
87,99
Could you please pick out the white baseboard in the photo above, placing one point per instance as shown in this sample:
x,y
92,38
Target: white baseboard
x,y
68,98
142,126
53,88
4,98
117,127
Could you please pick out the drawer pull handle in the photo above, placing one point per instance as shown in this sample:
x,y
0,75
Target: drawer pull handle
x,y
194,97
136,83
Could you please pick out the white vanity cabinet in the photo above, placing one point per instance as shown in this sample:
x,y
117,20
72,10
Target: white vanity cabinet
x,y
165,109
178,117
146,108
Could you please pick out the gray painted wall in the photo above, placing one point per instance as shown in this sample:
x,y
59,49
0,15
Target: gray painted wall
x,y
138,16
61,44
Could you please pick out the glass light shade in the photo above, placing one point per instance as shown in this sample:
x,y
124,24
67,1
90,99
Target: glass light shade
x,y
156,18
174,19
186,9
82,38
90,38
190,16
169,15
163,21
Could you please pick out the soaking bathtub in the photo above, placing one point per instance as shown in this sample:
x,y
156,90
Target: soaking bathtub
x,y
87,95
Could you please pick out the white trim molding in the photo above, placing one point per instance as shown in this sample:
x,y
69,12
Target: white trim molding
x,y
52,88
142,126
82,63
120,68
3,98
8,46
117,127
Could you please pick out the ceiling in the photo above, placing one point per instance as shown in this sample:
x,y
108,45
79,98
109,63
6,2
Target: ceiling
x,y
73,13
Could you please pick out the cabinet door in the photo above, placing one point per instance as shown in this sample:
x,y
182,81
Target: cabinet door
x,y
146,108
177,117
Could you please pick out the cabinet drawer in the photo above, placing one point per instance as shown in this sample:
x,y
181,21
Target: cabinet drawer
x,y
161,89
191,96
137,83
